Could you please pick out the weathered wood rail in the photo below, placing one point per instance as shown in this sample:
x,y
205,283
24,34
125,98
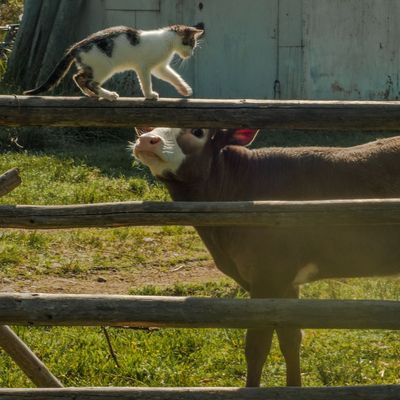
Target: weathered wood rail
x,y
373,392
258,213
191,312
194,113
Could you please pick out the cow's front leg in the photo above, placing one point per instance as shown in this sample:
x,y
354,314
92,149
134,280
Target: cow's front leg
x,y
290,342
258,346
258,341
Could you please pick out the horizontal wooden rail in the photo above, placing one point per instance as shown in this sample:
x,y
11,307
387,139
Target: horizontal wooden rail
x,y
371,392
259,213
191,312
195,113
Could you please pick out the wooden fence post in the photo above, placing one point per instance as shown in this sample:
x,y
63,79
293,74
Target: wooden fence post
x,y
9,181
29,363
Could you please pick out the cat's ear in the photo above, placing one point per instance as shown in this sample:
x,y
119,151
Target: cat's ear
x,y
200,26
193,32
200,30
198,33
139,131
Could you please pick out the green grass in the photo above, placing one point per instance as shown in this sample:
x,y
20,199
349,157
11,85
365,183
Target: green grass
x,y
61,179
168,357
77,253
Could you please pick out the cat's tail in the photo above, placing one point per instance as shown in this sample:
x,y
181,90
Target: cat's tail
x,y
56,76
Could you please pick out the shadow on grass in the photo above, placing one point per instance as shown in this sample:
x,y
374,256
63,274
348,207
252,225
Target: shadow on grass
x,y
105,149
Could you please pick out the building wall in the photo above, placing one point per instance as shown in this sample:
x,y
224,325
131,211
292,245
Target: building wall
x,y
351,49
288,49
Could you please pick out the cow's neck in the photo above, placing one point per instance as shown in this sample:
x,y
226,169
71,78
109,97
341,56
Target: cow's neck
x,y
181,191
240,175
237,174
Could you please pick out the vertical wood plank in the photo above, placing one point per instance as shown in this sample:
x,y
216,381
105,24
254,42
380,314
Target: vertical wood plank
x,y
238,56
290,52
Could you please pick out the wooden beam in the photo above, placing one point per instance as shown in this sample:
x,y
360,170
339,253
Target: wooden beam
x,y
9,181
259,213
195,113
191,312
370,392
29,363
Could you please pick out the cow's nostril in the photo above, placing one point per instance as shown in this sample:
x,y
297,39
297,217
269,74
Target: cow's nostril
x,y
154,140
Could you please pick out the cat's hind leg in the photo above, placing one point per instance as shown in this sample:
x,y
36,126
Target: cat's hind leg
x,y
84,80
166,73
80,81
101,92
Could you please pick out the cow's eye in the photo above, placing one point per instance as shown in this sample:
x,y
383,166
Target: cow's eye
x,y
199,133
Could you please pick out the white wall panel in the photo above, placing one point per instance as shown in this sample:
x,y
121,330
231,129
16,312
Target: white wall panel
x,y
138,5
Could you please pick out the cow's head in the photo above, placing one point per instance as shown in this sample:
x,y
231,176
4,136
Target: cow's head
x,y
185,155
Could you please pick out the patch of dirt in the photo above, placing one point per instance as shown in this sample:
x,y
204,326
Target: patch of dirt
x,y
111,282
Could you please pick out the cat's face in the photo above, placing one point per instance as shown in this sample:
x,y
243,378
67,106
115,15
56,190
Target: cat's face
x,y
187,39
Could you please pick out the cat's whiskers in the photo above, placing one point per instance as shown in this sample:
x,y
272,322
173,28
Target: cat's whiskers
x,y
199,44
183,65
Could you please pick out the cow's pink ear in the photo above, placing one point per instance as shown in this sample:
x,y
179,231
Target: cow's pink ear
x,y
243,137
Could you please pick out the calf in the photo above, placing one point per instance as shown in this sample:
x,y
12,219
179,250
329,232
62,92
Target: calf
x,y
214,165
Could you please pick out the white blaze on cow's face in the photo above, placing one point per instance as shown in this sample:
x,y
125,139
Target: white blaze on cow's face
x,y
164,150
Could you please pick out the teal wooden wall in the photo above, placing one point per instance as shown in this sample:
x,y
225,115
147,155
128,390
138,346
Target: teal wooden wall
x,y
264,49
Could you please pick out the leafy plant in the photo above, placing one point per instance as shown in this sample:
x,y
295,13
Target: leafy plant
x,y
10,10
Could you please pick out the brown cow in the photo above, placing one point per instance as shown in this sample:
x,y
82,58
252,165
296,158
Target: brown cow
x,y
214,165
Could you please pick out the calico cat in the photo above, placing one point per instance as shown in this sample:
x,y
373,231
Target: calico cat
x,y
118,49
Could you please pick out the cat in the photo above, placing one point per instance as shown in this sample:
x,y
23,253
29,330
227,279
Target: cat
x,y
118,49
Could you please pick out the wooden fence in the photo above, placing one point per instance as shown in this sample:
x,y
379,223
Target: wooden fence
x,y
36,309
192,312
259,213
373,392
205,113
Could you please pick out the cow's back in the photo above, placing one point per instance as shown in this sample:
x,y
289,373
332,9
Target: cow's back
x,y
370,170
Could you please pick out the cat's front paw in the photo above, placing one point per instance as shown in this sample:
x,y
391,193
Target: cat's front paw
x,y
152,96
110,96
185,90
